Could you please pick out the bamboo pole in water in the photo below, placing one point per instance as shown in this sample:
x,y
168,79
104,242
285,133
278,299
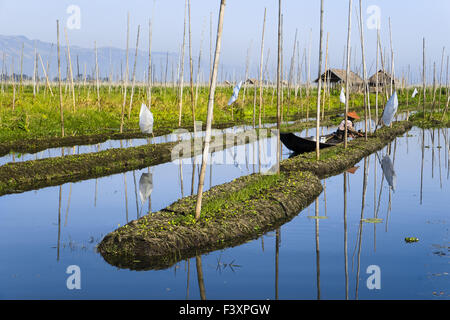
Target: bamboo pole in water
x,y
320,84
125,84
59,81
349,29
210,111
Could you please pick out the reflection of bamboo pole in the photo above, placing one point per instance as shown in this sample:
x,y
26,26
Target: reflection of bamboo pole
x,y
59,224
277,256
317,248
136,194
201,283
188,277
421,169
366,173
345,236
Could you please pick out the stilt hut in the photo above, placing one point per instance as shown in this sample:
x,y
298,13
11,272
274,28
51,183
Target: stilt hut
x,y
384,78
335,78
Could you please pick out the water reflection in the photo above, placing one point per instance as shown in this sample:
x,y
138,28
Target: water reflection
x,y
304,267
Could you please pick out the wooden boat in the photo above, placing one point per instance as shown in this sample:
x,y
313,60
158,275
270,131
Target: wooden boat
x,y
307,144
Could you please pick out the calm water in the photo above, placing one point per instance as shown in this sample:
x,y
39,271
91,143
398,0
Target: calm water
x,y
45,231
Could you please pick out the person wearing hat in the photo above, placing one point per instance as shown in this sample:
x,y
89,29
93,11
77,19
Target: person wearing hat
x,y
351,132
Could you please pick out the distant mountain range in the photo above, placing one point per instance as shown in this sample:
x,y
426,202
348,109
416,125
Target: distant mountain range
x,y
110,60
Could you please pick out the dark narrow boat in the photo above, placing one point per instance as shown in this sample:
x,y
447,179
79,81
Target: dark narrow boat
x,y
307,144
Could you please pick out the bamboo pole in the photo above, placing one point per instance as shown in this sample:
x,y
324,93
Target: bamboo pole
x,y
134,73
440,78
59,81
191,69
69,62
180,98
349,29
320,84
97,76
149,71
46,75
366,93
126,76
210,111
21,69
279,87
13,84
261,69
424,79
325,79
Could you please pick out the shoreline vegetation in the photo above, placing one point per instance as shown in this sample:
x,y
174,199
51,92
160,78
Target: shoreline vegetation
x,y
235,212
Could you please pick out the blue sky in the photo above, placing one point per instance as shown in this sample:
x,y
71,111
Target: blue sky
x,y
105,22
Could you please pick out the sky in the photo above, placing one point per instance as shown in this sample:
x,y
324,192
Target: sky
x,y
106,23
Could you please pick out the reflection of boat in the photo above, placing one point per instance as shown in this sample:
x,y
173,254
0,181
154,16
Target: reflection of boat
x,y
307,144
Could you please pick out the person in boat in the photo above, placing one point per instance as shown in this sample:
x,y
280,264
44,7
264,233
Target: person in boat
x,y
351,131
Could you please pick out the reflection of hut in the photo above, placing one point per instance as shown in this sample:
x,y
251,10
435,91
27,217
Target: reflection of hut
x,y
336,77
383,78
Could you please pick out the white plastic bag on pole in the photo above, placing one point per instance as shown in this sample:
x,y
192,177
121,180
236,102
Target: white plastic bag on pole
x,y
390,109
145,120
342,96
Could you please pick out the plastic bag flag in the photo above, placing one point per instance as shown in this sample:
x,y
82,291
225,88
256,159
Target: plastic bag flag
x,y
235,93
388,170
342,96
390,109
145,120
414,93
145,186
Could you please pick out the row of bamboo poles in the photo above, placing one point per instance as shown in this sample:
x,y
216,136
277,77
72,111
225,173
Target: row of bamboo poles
x,y
262,76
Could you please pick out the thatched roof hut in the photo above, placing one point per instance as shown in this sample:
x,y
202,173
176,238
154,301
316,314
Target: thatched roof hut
x,y
338,76
383,77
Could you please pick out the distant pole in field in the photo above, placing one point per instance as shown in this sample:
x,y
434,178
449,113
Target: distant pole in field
x,y
210,112
21,69
366,88
59,81
349,29
46,75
